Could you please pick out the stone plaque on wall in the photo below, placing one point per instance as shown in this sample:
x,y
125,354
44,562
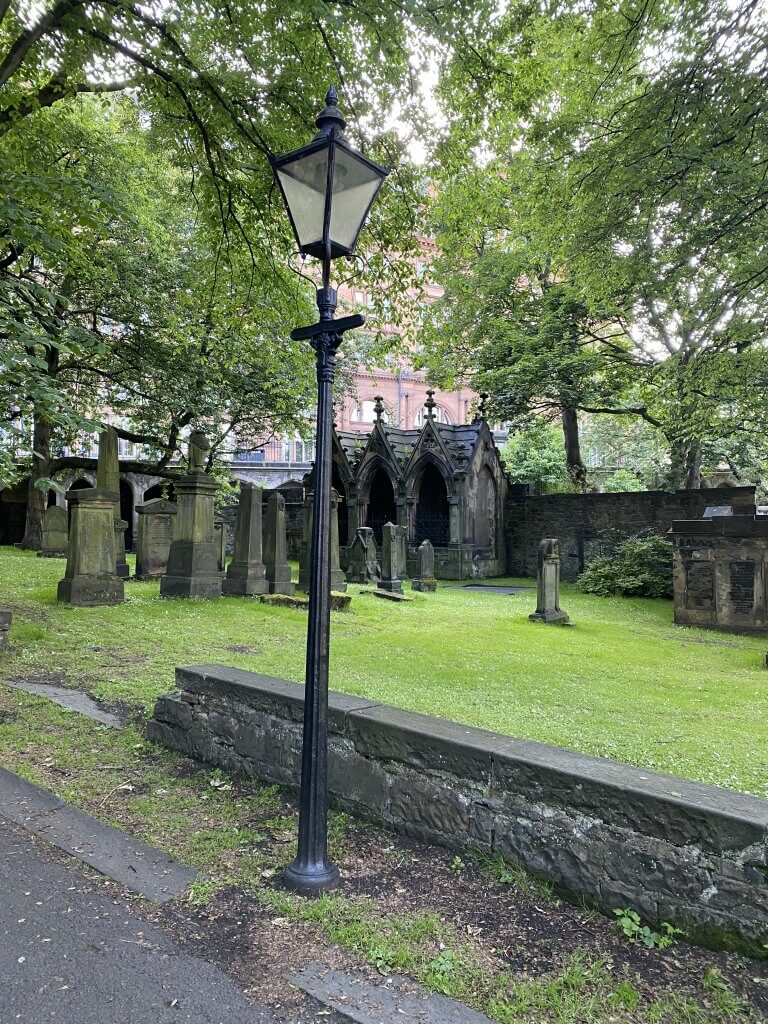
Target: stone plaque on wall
x,y
699,584
742,590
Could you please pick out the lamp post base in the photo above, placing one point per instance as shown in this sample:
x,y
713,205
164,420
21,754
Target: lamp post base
x,y
311,879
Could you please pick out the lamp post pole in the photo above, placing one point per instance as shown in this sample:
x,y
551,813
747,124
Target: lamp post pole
x,y
313,871
328,188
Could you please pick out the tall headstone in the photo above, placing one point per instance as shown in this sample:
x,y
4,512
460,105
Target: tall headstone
x,y
154,536
393,555
363,558
108,480
90,577
425,572
548,585
338,576
278,571
193,559
246,574
55,533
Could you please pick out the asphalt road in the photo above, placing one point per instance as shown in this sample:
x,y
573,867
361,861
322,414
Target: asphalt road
x,y
71,954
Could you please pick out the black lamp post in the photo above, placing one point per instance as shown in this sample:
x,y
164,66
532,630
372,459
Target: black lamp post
x,y
328,190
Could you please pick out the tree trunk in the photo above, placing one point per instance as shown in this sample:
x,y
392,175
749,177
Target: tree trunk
x,y
577,471
693,466
37,500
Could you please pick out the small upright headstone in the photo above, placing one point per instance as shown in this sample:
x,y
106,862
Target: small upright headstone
x,y
548,585
193,559
278,571
220,538
108,479
392,558
90,577
6,620
338,577
55,533
363,561
425,578
246,574
154,536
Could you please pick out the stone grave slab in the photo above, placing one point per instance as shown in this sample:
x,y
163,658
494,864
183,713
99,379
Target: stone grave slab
x,y
72,700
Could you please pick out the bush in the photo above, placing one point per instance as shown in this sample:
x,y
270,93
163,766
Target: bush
x,y
639,567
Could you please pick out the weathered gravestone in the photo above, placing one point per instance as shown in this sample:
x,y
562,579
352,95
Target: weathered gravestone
x,y
55,533
278,570
246,574
220,537
425,573
193,559
90,577
393,555
6,620
154,536
338,577
363,558
108,480
548,585
720,570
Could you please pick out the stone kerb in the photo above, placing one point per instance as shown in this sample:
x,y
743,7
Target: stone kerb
x,y
614,834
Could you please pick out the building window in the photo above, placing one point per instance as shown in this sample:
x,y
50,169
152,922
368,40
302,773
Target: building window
x,y
441,416
365,412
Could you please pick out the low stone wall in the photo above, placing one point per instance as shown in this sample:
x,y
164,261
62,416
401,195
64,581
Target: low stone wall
x,y
578,520
678,851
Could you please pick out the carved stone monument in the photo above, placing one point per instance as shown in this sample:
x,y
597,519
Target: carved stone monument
x,y
363,558
55,533
154,536
108,479
393,554
193,559
338,577
90,577
548,585
246,574
425,578
278,571
720,569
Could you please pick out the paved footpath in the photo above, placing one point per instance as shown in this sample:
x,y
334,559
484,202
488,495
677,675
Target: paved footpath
x,y
69,954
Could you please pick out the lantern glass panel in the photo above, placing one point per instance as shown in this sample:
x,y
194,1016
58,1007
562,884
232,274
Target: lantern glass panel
x,y
304,182
355,185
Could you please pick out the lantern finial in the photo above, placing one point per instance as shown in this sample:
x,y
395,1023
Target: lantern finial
x,y
331,121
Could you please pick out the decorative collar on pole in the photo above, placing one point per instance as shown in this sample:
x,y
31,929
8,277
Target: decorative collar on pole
x,y
430,405
378,408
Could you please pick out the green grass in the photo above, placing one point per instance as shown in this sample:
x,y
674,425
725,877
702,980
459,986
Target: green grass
x,y
622,682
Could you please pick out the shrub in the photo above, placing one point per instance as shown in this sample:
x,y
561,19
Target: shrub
x,y
639,567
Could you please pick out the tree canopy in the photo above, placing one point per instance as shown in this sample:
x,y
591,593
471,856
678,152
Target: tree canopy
x,y
626,144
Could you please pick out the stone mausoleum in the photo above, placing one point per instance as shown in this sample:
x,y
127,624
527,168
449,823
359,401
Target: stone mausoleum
x,y
721,569
443,482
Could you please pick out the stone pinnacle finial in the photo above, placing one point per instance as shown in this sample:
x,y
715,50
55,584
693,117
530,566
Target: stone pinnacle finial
x,y
480,414
378,408
430,404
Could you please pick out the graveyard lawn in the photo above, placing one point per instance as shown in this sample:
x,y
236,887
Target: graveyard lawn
x,y
621,682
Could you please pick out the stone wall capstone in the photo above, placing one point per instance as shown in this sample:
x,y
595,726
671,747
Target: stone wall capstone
x,y
616,835
578,520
